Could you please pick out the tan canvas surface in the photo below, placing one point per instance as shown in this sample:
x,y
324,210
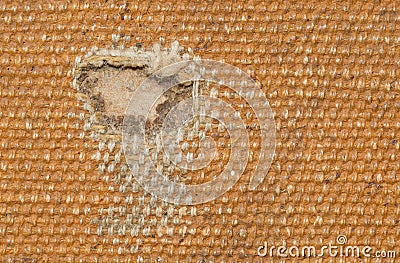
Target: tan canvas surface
x,y
330,71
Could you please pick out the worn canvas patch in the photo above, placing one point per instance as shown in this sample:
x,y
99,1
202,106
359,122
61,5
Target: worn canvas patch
x,y
105,81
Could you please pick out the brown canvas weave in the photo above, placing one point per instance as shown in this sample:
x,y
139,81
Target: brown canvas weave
x,y
329,70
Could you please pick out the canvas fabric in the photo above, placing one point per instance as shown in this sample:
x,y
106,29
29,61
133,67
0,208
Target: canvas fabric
x,y
330,71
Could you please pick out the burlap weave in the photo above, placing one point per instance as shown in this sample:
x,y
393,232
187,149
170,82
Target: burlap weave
x,y
329,70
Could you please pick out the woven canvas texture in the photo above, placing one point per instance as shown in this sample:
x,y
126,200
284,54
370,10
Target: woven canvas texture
x,y
330,72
